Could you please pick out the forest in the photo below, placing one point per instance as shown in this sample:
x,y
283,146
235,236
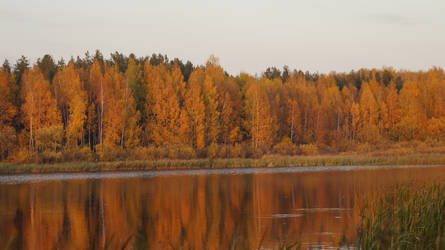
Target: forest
x,y
146,108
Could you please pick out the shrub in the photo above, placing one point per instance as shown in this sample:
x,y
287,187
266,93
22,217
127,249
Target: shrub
x,y
257,153
8,140
237,151
308,149
363,147
231,151
83,153
150,153
144,153
223,151
285,147
181,152
49,139
49,156
23,155
110,153
213,151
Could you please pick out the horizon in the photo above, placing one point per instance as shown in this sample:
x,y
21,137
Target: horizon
x,y
316,36
33,62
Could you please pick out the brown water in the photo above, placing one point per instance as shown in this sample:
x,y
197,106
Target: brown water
x,y
210,209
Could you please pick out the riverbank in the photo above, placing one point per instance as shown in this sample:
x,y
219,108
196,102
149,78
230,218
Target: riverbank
x,y
346,159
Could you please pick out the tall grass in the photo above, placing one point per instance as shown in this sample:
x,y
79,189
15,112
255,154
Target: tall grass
x,y
407,218
266,161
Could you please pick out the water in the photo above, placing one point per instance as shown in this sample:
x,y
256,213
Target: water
x,y
195,209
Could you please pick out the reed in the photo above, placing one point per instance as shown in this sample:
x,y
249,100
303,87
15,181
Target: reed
x,y
407,218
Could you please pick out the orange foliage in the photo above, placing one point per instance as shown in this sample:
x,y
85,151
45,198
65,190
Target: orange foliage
x,y
127,104
39,108
72,100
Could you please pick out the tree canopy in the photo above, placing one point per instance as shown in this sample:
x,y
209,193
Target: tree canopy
x,y
129,107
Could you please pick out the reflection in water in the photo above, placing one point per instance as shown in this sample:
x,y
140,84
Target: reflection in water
x,y
197,211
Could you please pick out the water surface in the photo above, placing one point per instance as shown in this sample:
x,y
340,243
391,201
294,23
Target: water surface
x,y
319,207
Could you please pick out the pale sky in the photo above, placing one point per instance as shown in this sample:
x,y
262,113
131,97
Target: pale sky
x,y
248,36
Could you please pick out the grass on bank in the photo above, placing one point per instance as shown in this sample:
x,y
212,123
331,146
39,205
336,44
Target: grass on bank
x,y
402,153
267,161
411,217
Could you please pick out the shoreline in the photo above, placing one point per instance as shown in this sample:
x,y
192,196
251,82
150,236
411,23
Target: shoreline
x,y
125,174
7,168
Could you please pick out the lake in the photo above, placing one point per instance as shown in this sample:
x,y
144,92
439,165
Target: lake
x,y
318,207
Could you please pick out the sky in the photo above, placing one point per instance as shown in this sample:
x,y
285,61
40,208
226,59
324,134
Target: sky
x,y
247,36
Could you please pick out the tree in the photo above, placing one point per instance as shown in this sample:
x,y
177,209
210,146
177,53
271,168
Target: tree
x,y
163,113
124,102
96,99
310,110
369,114
21,66
349,118
356,121
213,77
7,109
7,114
195,108
134,79
231,106
118,110
47,66
39,108
259,119
72,100
293,115
6,66
8,140
393,109
272,73
413,115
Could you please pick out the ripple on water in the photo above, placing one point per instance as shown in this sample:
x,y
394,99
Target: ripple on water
x,y
25,178
281,216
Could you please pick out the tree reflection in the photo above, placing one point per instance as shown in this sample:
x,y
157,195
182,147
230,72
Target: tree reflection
x,y
193,212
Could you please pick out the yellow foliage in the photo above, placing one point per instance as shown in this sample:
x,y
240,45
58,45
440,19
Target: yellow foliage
x,y
285,147
39,108
7,109
163,106
72,101
156,108
8,140
195,109
308,149
259,121
49,139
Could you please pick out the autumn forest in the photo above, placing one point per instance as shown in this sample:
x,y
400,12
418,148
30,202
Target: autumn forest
x,y
130,108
